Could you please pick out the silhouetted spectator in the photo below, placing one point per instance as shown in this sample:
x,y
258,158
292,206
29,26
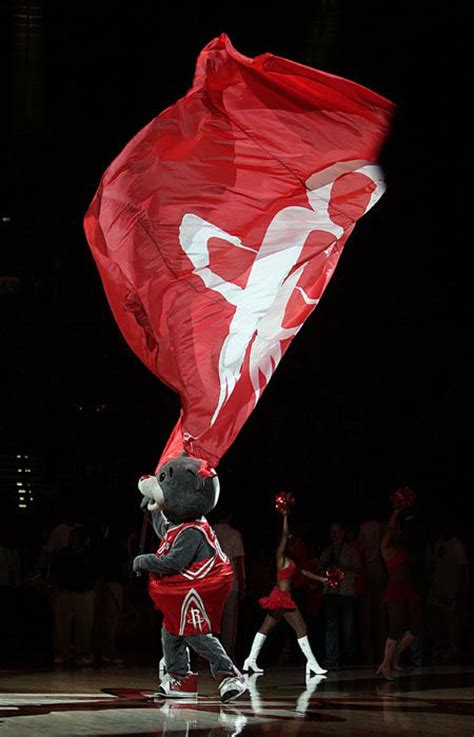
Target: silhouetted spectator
x,y
58,536
339,604
73,570
447,596
360,581
113,568
372,611
10,579
232,544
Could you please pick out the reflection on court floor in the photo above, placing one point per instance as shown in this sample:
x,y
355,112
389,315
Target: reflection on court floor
x,y
427,702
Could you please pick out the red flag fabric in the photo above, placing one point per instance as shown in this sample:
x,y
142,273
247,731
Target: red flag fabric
x,y
218,227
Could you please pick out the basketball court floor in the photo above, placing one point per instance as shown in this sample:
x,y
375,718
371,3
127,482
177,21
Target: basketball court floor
x,y
116,701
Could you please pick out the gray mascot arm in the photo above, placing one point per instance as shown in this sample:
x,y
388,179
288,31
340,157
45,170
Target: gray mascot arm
x,y
185,550
159,524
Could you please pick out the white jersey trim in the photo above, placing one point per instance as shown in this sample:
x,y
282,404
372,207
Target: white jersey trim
x,y
207,564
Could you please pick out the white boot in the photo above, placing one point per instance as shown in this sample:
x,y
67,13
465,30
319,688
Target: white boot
x,y
251,662
312,665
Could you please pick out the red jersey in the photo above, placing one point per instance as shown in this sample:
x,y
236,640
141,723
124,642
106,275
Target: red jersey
x,y
192,600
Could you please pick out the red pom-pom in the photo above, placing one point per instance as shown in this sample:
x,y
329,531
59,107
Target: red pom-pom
x,y
403,497
283,501
335,577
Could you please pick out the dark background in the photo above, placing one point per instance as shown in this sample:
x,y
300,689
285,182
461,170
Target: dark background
x,y
375,391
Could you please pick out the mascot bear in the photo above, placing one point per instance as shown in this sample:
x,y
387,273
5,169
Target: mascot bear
x,y
189,576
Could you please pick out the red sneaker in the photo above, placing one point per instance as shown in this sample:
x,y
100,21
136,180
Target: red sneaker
x,y
178,687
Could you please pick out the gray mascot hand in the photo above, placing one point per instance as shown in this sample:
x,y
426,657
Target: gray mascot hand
x,y
140,563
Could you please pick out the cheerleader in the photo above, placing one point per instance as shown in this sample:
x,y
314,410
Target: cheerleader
x,y
401,599
279,605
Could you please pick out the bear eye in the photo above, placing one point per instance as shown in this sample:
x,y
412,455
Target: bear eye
x,y
162,476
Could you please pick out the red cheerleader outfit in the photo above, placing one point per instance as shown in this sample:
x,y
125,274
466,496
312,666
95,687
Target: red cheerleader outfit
x,y
192,601
399,585
401,599
278,599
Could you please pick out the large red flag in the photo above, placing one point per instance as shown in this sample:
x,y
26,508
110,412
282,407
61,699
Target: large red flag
x,y
219,225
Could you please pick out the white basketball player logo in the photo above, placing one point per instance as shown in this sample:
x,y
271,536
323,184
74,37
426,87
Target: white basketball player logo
x,y
261,304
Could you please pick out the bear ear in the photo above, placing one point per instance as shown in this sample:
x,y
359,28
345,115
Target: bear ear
x,y
205,470
217,488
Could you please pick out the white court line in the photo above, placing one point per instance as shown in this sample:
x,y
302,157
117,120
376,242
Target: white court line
x,y
46,698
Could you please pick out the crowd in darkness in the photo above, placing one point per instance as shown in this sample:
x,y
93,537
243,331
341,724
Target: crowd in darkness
x,y
74,602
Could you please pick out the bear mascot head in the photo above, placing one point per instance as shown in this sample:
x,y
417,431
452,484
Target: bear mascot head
x,y
183,489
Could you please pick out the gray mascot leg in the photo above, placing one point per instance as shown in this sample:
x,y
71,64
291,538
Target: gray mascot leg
x,y
175,653
210,648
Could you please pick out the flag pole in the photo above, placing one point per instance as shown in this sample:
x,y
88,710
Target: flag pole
x,y
141,547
